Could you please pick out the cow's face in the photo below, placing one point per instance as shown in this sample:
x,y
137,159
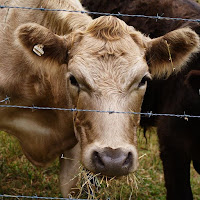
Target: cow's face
x,y
108,74
108,66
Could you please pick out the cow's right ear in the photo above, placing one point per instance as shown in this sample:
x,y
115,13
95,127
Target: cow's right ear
x,y
41,42
169,53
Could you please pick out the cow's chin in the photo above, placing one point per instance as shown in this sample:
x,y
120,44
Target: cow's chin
x,y
110,162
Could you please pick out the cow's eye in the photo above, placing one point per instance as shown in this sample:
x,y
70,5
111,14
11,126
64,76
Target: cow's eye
x,y
73,81
143,81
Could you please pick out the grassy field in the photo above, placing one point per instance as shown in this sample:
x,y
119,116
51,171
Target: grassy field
x,y
19,177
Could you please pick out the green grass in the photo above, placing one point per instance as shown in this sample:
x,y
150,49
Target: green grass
x,y
19,177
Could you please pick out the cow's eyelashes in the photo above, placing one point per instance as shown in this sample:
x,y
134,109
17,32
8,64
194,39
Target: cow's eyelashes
x,y
143,81
73,81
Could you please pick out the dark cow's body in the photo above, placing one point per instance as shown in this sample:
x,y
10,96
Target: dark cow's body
x,y
179,138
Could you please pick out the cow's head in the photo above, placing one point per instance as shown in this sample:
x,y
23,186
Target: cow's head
x,y
108,65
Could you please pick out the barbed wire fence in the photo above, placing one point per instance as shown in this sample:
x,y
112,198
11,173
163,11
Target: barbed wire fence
x,y
157,17
148,114
7,100
36,197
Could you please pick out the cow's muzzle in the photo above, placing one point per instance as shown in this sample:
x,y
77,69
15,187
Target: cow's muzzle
x,y
112,162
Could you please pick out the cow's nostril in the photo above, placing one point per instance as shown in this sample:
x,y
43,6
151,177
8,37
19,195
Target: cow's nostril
x,y
97,160
129,160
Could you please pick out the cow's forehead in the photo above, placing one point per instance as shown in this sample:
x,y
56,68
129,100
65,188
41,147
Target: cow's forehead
x,y
97,47
123,53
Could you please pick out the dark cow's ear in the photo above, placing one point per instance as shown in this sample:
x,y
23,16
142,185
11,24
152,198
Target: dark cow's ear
x,y
41,42
167,54
193,80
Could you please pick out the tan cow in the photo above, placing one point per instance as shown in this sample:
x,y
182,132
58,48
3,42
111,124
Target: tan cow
x,y
62,59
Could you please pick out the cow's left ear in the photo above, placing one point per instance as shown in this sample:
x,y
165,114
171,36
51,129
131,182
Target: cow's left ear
x,y
193,80
41,42
170,52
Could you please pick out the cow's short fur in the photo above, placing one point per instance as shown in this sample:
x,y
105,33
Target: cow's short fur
x,y
179,138
100,64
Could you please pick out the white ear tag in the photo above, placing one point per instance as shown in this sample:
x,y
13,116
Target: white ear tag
x,y
38,49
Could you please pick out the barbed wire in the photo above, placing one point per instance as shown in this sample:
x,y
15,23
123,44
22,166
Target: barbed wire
x,y
148,114
101,13
36,197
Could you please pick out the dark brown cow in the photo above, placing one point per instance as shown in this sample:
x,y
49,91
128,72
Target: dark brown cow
x,y
63,59
179,138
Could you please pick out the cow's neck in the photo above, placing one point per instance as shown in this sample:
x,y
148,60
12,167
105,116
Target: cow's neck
x,y
43,135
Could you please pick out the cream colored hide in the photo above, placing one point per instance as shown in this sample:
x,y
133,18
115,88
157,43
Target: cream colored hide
x,y
60,59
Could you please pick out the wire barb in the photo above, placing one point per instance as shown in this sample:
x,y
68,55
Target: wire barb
x,y
6,100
